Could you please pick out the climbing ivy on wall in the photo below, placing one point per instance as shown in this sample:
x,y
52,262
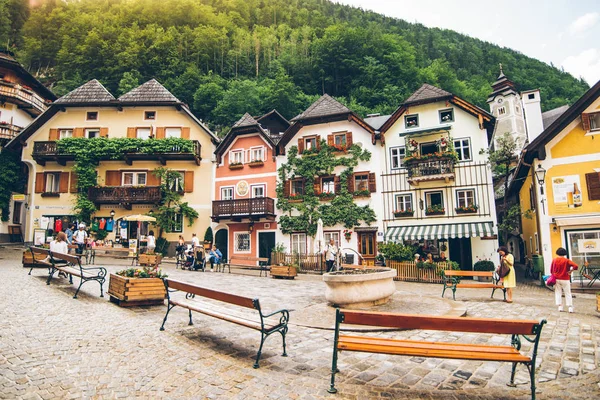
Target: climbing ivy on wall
x,y
303,212
12,179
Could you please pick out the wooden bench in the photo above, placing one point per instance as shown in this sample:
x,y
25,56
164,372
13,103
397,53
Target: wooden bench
x,y
260,322
260,263
528,329
71,265
452,281
40,258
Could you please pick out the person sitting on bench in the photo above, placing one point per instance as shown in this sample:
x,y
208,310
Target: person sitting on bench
x,y
59,245
215,257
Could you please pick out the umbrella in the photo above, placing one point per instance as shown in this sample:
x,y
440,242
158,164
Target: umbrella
x,y
139,218
319,237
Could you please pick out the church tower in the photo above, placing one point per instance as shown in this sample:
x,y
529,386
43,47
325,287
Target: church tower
x,y
505,105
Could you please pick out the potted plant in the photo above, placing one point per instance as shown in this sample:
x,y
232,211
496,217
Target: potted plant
x,y
484,266
435,209
208,238
288,271
137,286
470,209
403,213
347,234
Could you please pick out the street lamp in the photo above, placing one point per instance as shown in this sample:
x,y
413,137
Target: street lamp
x,y
540,174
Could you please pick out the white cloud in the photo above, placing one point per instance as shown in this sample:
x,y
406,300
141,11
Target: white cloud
x,y
584,23
585,64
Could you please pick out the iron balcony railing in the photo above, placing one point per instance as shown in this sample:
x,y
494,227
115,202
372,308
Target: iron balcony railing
x,y
125,194
240,208
431,169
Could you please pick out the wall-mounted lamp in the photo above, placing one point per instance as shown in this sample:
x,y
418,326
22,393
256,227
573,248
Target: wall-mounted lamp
x,y
540,175
112,213
251,227
421,204
555,229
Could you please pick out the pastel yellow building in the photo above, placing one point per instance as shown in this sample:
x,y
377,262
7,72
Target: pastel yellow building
x,y
558,178
126,184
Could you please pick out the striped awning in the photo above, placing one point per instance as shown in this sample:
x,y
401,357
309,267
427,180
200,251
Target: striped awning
x,y
442,231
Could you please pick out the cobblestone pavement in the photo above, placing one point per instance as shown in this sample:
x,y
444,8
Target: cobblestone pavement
x,y
52,346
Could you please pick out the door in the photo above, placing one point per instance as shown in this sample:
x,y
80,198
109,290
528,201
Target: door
x,y
460,251
221,241
367,247
266,243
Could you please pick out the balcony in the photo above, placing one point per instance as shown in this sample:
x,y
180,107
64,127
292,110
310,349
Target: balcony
x,y
431,169
124,195
8,131
236,210
25,98
48,151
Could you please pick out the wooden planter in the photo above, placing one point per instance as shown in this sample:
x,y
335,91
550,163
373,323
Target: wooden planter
x,y
435,213
404,214
151,260
28,260
598,302
466,211
130,292
254,164
236,166
283,272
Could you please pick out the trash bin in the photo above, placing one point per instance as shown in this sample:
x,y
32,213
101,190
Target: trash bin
x,y
538,263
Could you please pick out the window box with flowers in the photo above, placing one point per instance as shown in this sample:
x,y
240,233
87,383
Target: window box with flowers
x,y
403,213
236,165
326,196
347,235
438,155
362,193
256,163
470,209
296,198
435,209
137,286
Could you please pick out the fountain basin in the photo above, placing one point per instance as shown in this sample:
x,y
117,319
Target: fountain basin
x,y
359,288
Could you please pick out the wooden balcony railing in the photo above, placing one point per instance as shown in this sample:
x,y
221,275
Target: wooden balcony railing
x,y
430,170
8,131
25,98
125,195
243,208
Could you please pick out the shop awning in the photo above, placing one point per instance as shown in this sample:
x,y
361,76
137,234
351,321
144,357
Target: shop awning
x,y
442,231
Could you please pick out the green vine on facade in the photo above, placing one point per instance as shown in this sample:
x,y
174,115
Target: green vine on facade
x,y
12,179
303,212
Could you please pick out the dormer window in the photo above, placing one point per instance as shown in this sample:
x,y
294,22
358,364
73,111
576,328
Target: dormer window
x,y
91,116
149,115
411,121
446,116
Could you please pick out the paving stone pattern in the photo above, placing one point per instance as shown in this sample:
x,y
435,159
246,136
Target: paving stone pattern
x,y
55,347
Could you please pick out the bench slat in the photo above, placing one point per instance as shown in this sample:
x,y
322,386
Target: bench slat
x,y
411,321
468,273
477,285
211,294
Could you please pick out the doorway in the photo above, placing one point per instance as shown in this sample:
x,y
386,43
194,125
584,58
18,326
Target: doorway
x,y
221,241
367,247
460,251
266,243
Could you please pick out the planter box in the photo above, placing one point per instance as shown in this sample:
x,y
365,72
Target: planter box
x,y
284,272
436,213
254,164
28,260
150,259
236,166
404,214
130,292
466,212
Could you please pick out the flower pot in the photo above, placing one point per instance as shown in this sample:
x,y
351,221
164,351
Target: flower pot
x,y
283,272
130,292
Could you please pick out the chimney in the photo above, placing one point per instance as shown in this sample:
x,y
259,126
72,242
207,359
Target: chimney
x,y
533,113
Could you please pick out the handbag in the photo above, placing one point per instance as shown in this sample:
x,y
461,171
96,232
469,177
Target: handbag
x,y
503,270
551,280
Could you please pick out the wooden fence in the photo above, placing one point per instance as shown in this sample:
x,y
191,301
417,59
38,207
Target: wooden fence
x,y
408,271
313,263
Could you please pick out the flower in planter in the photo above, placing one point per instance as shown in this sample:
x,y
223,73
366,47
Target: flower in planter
x,y
362,193
435,208
347,234
144,272
235,164
468,208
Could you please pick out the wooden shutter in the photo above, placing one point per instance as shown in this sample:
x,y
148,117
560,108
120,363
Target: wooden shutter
x,y
40,182
151,179
348,139
78,132
318,142
330,141
188,181
103,132
113,178
317,186
372,182
160,133
53,134
337,184
73,183
185,132
593,185
351,184
287,188
300,145
585,119
63,183
131,133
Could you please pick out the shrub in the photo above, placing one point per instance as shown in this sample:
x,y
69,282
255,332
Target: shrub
x,y
484,265
397,251
208,235
426,265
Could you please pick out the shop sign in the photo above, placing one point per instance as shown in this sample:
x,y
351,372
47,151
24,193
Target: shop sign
x,y
588,245
18,197
567,193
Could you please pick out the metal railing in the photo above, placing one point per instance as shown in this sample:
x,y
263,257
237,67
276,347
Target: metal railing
x,y
124,194
429,168
243,207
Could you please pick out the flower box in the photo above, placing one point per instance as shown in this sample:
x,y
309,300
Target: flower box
x,y
435,212
254,164
131,292
236,166
403,214
150,259
462,211
283,272
50,194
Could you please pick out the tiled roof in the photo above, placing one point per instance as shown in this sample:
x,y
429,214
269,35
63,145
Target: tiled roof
x,y
92,91
425,93
151,91
552,115
325,105
377,121
246,120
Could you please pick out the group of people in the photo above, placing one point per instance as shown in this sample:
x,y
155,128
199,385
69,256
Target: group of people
x,y
195,255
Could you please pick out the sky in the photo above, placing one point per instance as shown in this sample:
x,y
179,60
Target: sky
x,y
564,33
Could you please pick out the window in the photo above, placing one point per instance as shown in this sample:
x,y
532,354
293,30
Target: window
x,y
537,243
310,143
434,199
178,183
517,110
339,139
257,190
328,184
463,149
227,193
173,133
411,121
446,116
52,182
298,244
501,110
397,154
17,207
241,242
297,188
531,96
594,121
257,154
91,116
332,235
361,182
134,179
404,202
150,115
465,198
236,157
143,133
91,133
429,148
65,133
176,223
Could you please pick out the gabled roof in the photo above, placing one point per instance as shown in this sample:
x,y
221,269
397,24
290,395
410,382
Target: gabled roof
x,y
324,106
274,113
552,115
427,94
7,61
149,92
244,126
377,121
90,92
246,120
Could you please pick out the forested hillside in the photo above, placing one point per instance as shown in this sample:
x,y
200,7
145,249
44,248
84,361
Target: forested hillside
x,y
226,57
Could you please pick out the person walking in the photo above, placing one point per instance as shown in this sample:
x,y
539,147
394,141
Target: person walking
x,y
561,268
69,233
80,238
510,280
150,242
215,257
331,251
